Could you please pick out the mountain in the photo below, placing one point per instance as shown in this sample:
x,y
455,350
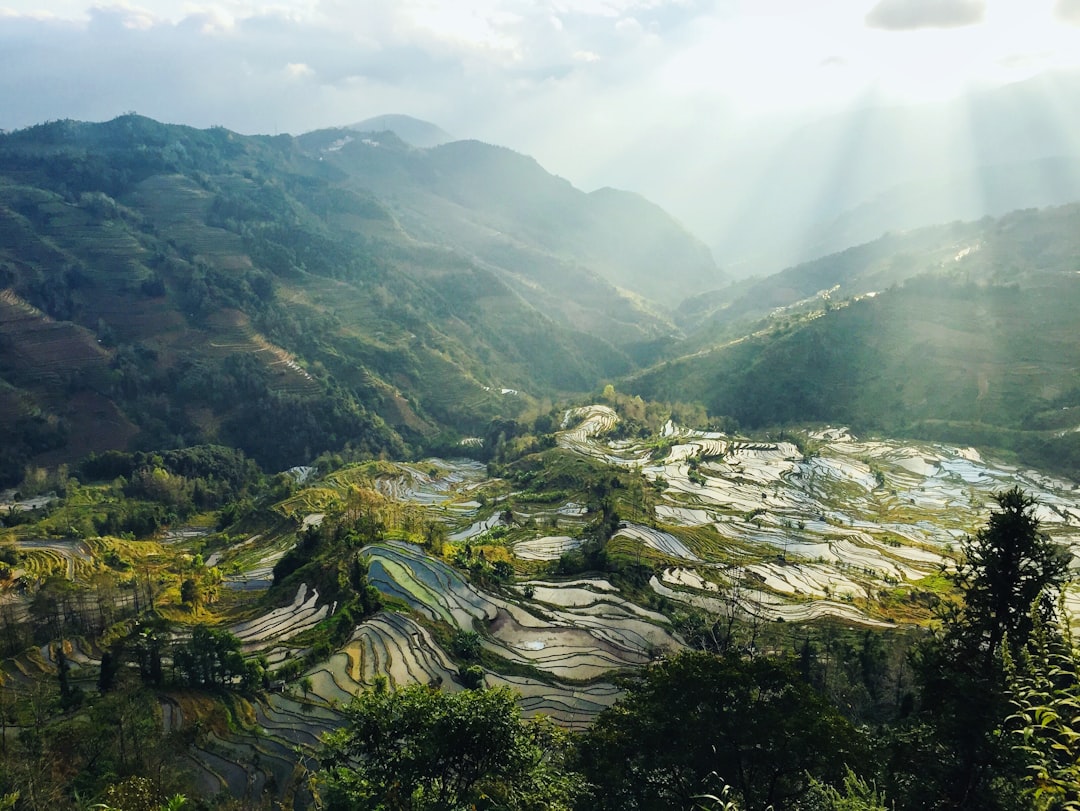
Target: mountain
x,y
641,247
986,191
866,268
504,208
164,285
411,130
964,333
801,190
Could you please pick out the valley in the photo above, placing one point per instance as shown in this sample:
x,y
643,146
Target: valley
x,y
295,420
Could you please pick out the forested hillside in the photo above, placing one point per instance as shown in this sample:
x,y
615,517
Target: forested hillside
x,y
165,286
964,333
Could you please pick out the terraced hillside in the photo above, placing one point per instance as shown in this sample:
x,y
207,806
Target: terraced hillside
x,y
856,530
846,528
578,565
961,333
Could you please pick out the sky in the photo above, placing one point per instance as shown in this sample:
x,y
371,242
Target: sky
x,y
596,90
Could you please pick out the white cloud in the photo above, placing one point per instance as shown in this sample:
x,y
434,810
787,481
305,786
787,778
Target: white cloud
x,y
298,70
1068,11
132,18
210,21
589,87
909,15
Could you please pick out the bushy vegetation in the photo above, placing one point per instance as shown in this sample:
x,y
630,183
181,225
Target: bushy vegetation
x,y
754,723
419,748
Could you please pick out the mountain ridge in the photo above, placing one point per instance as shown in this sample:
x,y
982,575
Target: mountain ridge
x,y
960,333
413,131
229,288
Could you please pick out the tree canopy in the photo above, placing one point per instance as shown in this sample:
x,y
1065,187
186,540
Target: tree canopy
x,y
418,748
751,722
1005,566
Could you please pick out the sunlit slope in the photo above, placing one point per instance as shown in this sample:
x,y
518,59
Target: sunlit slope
x,y
989,190
534,227
962,332
1020,248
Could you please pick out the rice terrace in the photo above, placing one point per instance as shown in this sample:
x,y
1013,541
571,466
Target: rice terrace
x,y
479,571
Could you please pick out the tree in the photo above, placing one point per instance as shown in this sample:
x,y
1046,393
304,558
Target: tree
x,y
466,645
472,677
134,794
68,695
191,594
435,535
211,658
368,597
754,724
110,666
420,748
148,641
1003,570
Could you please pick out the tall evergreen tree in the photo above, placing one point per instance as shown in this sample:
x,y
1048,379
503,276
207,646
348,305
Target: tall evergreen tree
x,y
1004,568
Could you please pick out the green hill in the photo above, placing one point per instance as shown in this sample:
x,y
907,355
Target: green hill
x,y
963,332
506,209
164,285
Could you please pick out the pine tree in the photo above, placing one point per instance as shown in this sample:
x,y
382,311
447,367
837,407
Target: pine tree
x,y
1003,570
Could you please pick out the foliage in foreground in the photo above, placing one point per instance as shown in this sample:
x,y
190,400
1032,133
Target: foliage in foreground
x,y
857,795
1044,688
966,762
421,748
754,723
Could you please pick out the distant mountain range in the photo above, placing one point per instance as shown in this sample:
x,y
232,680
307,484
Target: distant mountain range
x,y
799,190
163,285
